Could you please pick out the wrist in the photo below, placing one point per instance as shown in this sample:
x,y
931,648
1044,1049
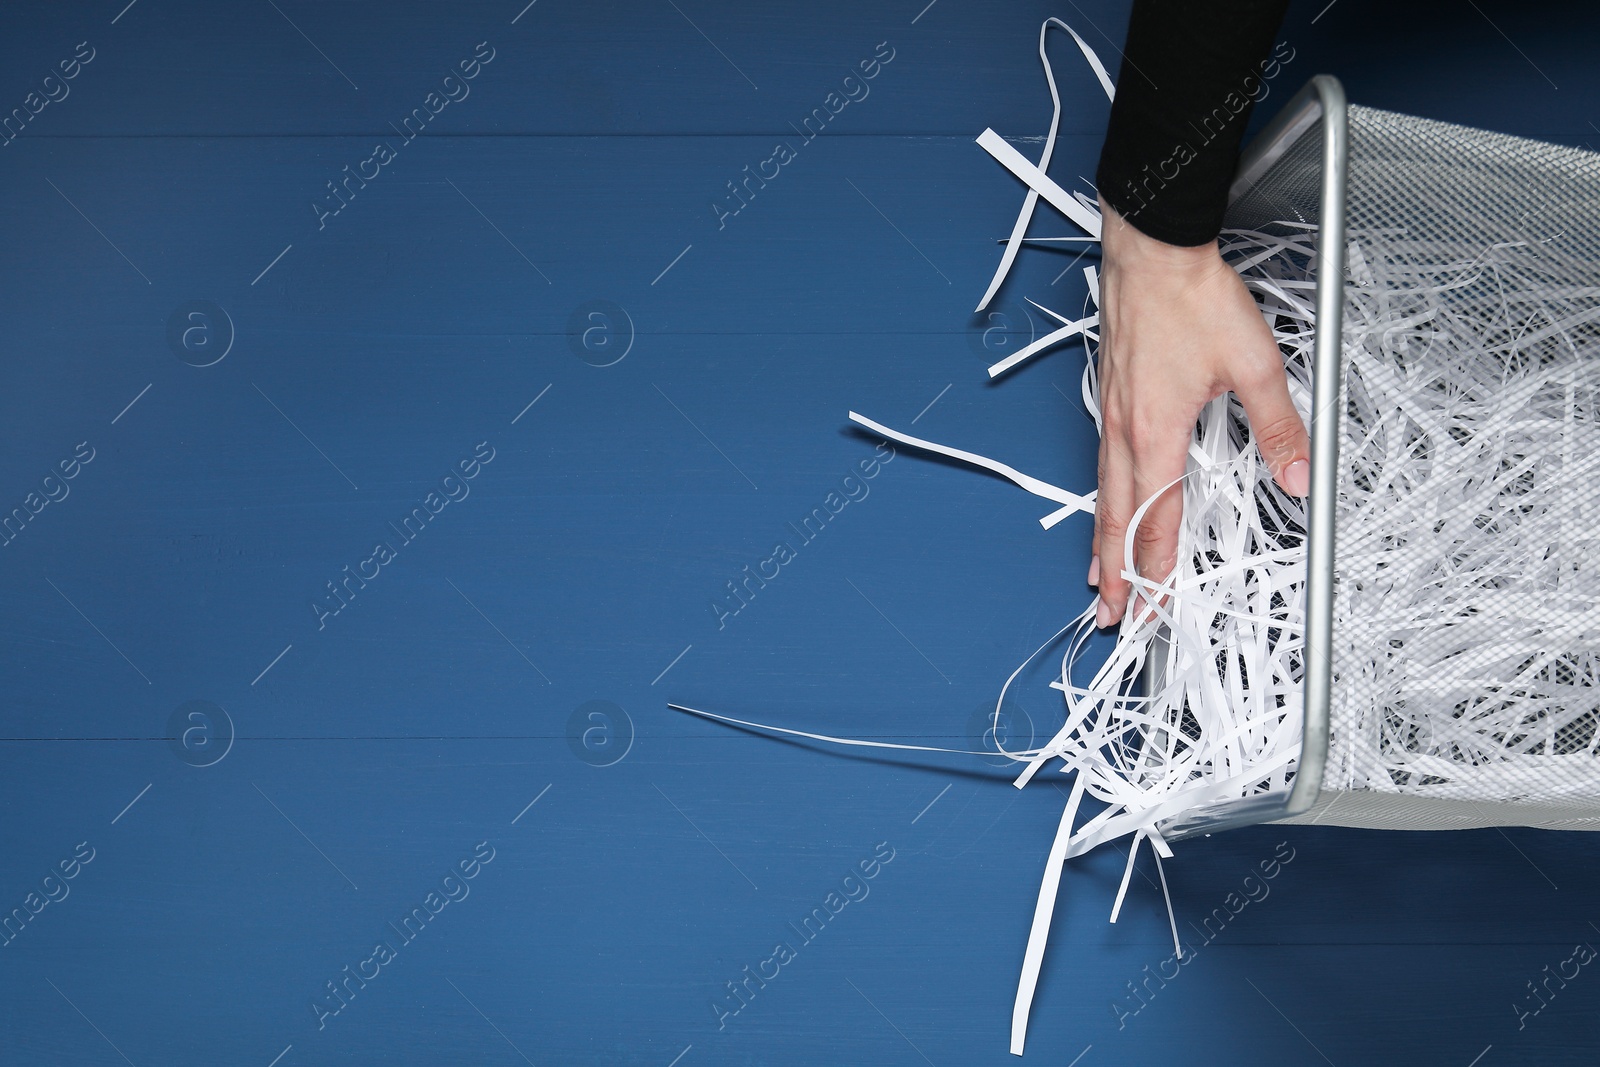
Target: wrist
x,y
1126,243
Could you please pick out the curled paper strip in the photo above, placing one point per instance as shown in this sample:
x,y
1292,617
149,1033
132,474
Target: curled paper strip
x,y
1073,501
1026,214
1039,183
1071,328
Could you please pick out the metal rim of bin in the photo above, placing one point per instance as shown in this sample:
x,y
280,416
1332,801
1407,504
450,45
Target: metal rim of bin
x,y
1322,100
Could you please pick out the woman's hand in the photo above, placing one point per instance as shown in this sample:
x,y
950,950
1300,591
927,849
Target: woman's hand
x,y
1177,329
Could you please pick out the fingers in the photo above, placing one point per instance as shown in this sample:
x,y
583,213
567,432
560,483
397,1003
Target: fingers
x,y
1112,508
1159,461
1137,461
1275,425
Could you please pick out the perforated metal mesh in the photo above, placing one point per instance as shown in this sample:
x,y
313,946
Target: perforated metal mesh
x,y
1465,650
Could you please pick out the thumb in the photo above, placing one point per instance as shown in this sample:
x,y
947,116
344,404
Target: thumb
x,y
1276,427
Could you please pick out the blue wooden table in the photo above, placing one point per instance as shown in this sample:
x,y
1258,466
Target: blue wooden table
x,y
403,402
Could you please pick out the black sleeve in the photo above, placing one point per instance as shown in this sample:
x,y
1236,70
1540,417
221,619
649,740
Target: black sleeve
x,y
1191,72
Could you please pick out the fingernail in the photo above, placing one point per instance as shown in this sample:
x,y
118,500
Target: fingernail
x,y
1297,478
1094,570
1103,615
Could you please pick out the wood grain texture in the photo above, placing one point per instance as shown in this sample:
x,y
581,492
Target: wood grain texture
x,y
374,748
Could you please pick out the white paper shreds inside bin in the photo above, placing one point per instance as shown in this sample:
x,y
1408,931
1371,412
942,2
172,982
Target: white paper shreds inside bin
x,y
1466,615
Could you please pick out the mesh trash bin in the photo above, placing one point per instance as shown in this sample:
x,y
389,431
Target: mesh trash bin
x,y
1452,659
